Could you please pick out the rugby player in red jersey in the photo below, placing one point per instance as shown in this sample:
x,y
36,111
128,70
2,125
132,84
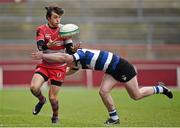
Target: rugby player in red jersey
x,y
49,41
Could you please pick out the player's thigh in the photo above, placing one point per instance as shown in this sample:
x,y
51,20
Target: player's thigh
x,y
107,83
37,81
132,87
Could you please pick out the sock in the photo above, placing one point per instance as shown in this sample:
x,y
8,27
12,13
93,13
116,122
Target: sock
x,y
158,89
113,115
55,108
39,96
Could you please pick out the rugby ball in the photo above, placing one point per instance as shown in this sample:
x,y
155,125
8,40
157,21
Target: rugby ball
x,y
69,30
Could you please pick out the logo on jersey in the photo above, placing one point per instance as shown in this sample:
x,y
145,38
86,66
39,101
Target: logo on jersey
x,y
124,77
48,36
58,74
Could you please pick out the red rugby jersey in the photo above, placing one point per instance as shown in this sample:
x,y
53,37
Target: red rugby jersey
x,y
45,33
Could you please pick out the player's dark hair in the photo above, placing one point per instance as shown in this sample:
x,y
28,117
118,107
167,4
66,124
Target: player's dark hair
x,y
55,9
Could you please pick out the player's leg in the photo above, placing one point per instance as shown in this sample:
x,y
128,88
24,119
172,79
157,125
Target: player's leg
x,y
136,93
53,98
36,83
107,84
57,76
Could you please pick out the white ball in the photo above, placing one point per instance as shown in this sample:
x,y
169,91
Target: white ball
x,y
69,30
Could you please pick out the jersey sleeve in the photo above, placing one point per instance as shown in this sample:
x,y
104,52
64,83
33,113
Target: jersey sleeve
x,y
39,34
79,55
76,57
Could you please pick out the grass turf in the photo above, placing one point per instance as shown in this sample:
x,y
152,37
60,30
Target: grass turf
x,y
80,107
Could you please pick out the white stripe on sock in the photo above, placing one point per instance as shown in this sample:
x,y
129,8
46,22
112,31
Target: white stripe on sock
x,y
160,89
154,90
115,117
112,111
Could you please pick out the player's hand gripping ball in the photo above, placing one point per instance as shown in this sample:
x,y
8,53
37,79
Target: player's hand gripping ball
x,y
69,30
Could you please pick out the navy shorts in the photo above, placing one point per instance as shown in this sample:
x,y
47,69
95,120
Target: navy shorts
x,y
124,71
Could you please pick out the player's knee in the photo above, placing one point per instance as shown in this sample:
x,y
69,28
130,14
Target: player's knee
x,y
136,97
33,88
103,92
52,98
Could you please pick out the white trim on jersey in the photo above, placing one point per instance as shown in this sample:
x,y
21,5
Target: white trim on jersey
x,y
76,56
94,58
108,61
84,50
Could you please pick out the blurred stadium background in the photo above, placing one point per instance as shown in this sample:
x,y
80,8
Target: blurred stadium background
x,y
146,32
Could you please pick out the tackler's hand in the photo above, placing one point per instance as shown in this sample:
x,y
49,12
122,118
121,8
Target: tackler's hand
x,y
37,55
76,46
51,43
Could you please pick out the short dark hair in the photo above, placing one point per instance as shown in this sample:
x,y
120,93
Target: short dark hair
x,y
55,9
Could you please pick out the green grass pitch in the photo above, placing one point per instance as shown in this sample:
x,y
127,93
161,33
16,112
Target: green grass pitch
x,y
80,107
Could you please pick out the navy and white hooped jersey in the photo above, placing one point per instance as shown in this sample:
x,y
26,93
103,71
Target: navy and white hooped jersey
x,y
96,59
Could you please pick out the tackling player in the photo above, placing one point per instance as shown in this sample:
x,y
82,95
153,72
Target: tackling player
x,y
49,41
116,70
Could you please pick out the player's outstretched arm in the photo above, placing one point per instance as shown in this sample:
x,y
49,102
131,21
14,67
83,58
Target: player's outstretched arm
x,y
58,57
